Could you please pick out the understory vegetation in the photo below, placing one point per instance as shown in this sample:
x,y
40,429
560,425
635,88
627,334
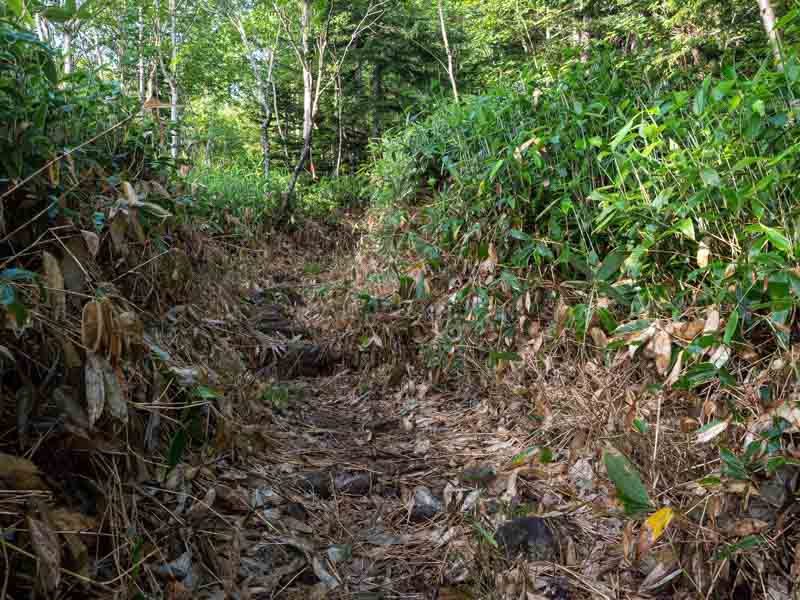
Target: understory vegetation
x,y
268,265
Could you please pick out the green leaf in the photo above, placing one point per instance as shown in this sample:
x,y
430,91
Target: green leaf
x,y
611,265
733,466
520,235
699,375
85,11
486,535
620,136
207,393
699,102
176,447
759,108
15,6
632,327
630,489
730,328
710,178
780,241
497,166
56,14
511,280
686,227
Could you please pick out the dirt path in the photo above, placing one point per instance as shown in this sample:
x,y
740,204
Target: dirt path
x,y
373,483
343,471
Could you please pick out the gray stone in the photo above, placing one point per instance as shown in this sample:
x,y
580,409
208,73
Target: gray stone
x,y
426,505
529,535
353,484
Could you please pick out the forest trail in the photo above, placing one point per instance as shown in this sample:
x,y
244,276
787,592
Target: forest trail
x,y
370,482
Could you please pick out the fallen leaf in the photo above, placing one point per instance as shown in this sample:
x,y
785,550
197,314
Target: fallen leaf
x,y
520,150
488,266
675,373
708,432
662,348
653,528
54,282
92,326
712,320
95,385
703,254
599,337
689,330
48,550
20,474
720,356
115,397
747,527
92,242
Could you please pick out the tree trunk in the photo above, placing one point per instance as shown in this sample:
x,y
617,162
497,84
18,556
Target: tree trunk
x,y
308,95
377,99
339,128
173,82
67,50
450,69
768,19
141,57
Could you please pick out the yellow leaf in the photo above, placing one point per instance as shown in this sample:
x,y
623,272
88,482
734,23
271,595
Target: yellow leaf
x,y
654,528
658,522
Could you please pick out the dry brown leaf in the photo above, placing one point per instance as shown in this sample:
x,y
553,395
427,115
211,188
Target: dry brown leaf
x,y
747,527
561,315
520,150
20,474
95,383
119,232
54,282
115,396
92,242
109,325
717,429
66,521
92,326
599,337
662,348
75,273
712,320
676,371
130,193
488,266
689,330
703,254
47,547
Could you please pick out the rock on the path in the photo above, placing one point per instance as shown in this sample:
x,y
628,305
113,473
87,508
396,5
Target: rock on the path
x,y
353,484
530,535
426,505
317,483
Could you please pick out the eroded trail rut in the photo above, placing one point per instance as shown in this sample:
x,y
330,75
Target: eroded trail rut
x,y
358,483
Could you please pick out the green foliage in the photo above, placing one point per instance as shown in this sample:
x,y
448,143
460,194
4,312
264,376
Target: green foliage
x,y
608,170
630,489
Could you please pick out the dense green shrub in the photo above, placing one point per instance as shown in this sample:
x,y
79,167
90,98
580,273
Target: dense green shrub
x,y
610,171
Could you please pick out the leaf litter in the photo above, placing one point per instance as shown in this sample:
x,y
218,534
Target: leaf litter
x,y
274,452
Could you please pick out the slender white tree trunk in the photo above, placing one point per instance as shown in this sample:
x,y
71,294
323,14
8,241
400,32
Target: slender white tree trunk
x,y
67,50
450,68
308,95
768,19
141,56
173,82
